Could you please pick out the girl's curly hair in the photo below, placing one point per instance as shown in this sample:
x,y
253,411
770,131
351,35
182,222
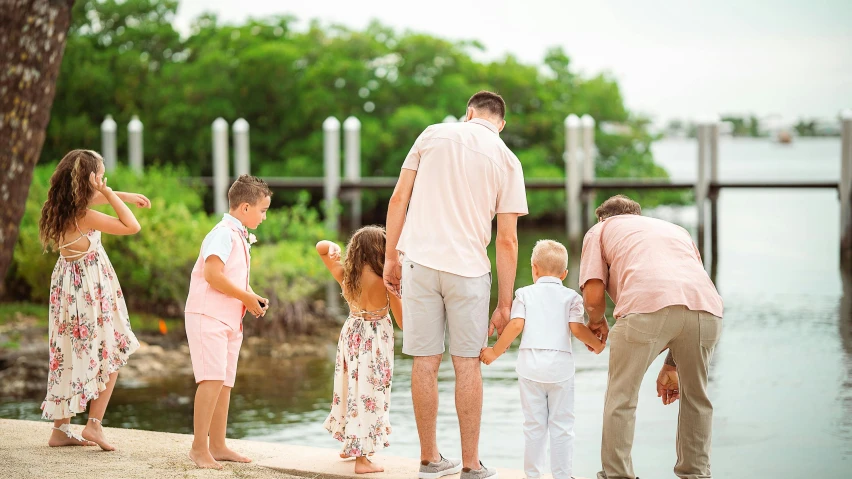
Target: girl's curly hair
x,y
365,248
69,195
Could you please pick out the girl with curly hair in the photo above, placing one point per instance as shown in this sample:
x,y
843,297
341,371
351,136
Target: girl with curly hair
x,y
364,366
89,327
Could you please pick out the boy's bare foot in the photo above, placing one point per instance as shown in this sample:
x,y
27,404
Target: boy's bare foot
x,y
226,454
95,433
64,437
204,460
364,466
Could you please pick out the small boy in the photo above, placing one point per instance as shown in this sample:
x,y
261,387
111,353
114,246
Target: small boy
x,y
219,296
545,311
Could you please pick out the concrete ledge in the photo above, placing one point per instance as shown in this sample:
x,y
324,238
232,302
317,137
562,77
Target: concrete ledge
x,y
326,464
24,454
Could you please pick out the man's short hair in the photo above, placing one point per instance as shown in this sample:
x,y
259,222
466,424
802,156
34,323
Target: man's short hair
x,y
247,189
490,102
618,205
550,257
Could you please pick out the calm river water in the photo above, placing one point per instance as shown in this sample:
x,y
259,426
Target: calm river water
x,y
781,379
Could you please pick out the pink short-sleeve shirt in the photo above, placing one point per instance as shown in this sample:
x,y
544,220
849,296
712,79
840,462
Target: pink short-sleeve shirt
x,y
647,264
465,176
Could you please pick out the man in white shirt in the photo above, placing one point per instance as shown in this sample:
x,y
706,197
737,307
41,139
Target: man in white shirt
x,y
455,179
548,313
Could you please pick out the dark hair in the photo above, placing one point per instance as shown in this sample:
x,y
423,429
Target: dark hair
x,y
488,101
247,189
618,205
69,195
365,248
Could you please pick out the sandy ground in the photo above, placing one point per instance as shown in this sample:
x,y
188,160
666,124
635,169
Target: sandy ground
x,y
24,454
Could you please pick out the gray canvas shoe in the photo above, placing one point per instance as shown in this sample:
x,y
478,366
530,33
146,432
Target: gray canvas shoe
x,y
481,473
434,470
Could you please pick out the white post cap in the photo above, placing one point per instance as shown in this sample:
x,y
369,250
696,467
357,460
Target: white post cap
x,y
135,124
241,125
219,124
331,124
108,124
351,124
450,119
572,121
587,120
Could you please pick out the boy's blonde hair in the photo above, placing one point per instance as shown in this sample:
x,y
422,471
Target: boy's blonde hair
x,y
247,189
550,257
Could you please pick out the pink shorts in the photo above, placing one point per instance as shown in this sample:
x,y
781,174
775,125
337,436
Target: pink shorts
x,y
214,348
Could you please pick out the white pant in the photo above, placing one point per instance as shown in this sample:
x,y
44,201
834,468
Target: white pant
x,y
548,407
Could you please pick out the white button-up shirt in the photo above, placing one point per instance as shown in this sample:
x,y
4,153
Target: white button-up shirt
x,y
547,307
219,242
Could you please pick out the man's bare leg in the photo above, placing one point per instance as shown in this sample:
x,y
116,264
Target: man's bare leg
x,y
469,407
424,396
218,429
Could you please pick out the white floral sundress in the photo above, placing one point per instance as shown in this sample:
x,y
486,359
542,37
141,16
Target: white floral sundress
x,y
363,372
90,336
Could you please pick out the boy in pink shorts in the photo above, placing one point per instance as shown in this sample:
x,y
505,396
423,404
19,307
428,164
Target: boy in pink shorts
x,y
219,296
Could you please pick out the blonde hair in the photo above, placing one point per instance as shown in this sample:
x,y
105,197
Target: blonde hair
x,y
550,257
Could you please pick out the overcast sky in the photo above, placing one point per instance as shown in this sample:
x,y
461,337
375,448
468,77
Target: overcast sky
x,y
682,59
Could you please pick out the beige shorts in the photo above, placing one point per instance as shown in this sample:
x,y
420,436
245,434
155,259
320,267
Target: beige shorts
x,y
433,300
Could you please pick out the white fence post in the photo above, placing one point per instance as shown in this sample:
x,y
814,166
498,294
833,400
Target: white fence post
x,y
846,188
134,145
331,164
450,119
701,181
589,154
108,145
573,178
242,165
220,165
352,160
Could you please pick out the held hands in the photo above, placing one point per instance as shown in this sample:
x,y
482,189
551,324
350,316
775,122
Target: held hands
x,y
598,348
392,276
499,320
488,355
256,305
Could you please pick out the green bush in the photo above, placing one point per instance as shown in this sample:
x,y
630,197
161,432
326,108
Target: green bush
x,y
154,265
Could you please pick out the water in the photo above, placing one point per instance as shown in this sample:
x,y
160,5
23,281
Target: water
x,y
780,380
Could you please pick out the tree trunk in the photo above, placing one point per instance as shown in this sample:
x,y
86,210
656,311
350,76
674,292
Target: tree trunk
x,y
32,41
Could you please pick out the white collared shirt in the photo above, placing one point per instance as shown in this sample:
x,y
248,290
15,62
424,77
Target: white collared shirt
x,y
547,307
219,241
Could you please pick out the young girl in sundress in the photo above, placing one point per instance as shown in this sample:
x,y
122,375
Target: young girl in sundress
x,y
90,336
364,365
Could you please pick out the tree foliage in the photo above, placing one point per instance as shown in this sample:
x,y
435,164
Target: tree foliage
x,y
125,58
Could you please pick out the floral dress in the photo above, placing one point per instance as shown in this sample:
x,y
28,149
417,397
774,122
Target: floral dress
x,y
90,336
362,383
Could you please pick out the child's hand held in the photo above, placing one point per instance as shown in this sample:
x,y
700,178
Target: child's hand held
x,y
599,347
487,355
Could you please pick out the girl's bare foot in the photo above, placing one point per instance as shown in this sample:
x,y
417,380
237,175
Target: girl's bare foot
x,y
64,437
204,460
364,466
95,432
226,454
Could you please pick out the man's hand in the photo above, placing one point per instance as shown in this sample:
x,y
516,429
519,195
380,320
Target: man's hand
x,y
499,319
487,355
392,276
600,329
668,384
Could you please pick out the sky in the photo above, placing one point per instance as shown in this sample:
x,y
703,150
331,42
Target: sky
x,y
684,59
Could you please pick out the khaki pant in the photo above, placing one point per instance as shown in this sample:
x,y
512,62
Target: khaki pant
x,y
635,341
